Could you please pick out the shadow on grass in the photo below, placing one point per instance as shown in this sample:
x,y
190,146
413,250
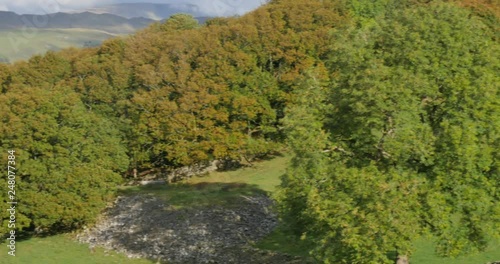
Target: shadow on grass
x,y
29,232
283,240
234,165
199,194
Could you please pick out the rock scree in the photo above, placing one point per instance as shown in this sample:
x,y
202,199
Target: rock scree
x,y
144,226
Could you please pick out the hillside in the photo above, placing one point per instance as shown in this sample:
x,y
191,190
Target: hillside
x,y
17,47
197,8
22,36
105,22
148,10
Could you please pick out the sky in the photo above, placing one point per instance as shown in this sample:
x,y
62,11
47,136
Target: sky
x,y
213,7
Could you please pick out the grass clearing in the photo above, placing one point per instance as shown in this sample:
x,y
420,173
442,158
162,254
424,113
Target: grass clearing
x,y
219,188
264,174
282,240
425,254
183,195
62,249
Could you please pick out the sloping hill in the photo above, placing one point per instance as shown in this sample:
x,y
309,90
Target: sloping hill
x,y
148,10
18,46
107,22
197,8
22,36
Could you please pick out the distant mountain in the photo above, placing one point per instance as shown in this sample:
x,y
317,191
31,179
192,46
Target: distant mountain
x,y
197,8
148,10
84,29
105,22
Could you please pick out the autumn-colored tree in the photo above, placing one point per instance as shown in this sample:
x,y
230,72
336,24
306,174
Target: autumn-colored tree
x,y
202,90
218,91
5,77
42,71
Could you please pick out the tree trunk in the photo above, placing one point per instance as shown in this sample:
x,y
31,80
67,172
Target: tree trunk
x,y
402,259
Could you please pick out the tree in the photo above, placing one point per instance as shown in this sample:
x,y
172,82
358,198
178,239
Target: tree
x,y
412,139
306,137
214,109
180,22
68,158
4,77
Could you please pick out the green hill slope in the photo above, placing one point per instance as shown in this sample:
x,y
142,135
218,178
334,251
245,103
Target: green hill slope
x,y
17,45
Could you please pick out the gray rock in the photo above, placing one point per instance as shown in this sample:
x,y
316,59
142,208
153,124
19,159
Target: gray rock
x,y
144,226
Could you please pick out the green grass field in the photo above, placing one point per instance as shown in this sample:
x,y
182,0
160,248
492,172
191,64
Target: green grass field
x,y
221,188
62,249
217,188
20,45
425,254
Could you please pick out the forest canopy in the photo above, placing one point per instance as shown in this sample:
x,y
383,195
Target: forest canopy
x,y
391,109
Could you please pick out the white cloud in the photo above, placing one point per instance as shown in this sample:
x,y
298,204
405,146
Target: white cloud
x,y
211,7
227,7
46,6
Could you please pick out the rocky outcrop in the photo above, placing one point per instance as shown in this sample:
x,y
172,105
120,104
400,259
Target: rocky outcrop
x,y
146,227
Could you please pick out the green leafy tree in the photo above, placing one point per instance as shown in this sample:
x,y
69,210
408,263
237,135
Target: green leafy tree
x,y
5,77
68,159
412,139
180,22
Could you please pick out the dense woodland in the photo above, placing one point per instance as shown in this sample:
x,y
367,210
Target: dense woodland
x,y
392,109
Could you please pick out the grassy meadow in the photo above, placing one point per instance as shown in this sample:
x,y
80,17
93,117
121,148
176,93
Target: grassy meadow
x,y
216,188
20,45
62,249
